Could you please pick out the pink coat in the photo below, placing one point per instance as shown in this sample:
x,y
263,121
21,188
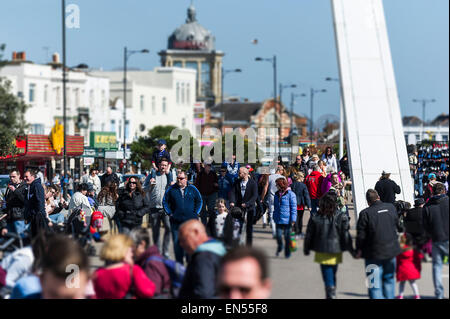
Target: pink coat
x,y
409,265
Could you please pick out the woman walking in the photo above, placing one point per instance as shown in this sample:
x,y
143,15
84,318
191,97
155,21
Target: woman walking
x,y
330,159
107,199
327,234
131,206
303,201
284,215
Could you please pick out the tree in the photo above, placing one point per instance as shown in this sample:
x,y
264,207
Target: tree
x,y
12,119
143,148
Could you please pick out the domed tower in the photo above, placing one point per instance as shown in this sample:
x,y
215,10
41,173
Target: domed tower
x,y
193,46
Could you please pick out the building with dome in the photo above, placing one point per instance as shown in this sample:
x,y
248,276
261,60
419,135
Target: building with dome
x,y
193,46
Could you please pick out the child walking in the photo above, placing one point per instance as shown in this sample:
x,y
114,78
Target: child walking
x,y
408,266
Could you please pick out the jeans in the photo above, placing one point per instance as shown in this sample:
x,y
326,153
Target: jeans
x,y
57,218
178,250
420,184
314,206
329,274
18,227
209,203
439,250
156,216
271,208
283,231
381,278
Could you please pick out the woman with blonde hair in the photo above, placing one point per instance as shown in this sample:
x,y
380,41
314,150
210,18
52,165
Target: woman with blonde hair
x,y
120,278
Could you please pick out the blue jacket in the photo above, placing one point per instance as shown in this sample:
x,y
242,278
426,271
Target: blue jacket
x,y
182,208
285,211
232,170
301,191
225,185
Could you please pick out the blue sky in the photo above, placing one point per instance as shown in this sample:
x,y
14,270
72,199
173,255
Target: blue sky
x,y
299,32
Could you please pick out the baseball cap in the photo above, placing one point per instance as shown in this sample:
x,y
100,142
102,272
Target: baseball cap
x,y
162,142
431,175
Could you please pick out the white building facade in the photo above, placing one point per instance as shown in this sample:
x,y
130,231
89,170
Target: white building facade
x,y
415,134
40,86
164,96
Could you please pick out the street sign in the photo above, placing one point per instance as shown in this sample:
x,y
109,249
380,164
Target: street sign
x,y
124,161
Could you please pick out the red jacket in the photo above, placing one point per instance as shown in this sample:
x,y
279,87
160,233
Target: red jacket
x,y
409,265
114,283
314,182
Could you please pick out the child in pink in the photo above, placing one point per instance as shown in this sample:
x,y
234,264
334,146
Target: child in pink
x,y
408,266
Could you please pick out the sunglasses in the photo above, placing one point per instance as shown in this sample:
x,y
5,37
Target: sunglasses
x,y
226,290
181,178
133,183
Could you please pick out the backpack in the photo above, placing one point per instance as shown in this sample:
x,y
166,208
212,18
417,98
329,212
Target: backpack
x,y
176,272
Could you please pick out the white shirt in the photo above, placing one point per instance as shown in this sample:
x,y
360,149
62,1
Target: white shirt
x,y
243,187
220,223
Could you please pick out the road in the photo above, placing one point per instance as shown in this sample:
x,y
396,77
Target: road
x,y
300,278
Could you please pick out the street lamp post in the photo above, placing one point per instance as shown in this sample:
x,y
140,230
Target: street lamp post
x,y
64,96
280,124
293,96
126,55
424,103
341,120
274,65
313,91
225,72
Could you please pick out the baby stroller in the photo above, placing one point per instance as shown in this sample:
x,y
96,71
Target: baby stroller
x,y
234,228
78,226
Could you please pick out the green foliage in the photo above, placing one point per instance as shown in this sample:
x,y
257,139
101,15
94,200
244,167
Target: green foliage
x,y
12,119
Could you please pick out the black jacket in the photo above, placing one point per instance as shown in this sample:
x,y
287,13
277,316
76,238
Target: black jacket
x,y
377,232
328,234
131,209
387,189
34,201
435,218
15,202
105,179
301,191
344,167
300,168
200,278
250,195
413,223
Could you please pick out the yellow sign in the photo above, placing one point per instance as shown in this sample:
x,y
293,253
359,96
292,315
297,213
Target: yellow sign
x,y
57,137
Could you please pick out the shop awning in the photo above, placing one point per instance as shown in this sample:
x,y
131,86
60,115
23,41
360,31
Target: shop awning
x,y
39,146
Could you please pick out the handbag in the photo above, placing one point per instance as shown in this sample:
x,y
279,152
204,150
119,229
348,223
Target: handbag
x,y
131,293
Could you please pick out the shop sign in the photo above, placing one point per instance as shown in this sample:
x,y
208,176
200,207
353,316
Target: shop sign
x,y
104,140
93,152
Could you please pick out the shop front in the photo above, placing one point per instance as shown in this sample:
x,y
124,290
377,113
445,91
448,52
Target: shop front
x,y
37,152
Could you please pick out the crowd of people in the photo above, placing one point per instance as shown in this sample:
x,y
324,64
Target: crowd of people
x,y
208,212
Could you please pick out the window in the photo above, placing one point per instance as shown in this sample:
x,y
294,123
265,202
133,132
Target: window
x,y
445,138
418,138
178,64
182,93
188,93
103,127
205,85
142,103
270,118
153,105
164,105
31,92
113,125
37,129
127,129
68,99
183,122
46,93
120,129
58,97
91,98
77,97
104,99
178,93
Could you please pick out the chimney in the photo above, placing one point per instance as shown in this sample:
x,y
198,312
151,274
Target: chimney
x,y
21,56
56,58
14,56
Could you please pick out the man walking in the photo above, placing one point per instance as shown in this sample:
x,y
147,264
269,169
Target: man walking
x,y
156,190
207,184
270,189
93,179
387,188
314,184
35,214
109,176
181,202
244,195
435,221
201,273
377,242
15,195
